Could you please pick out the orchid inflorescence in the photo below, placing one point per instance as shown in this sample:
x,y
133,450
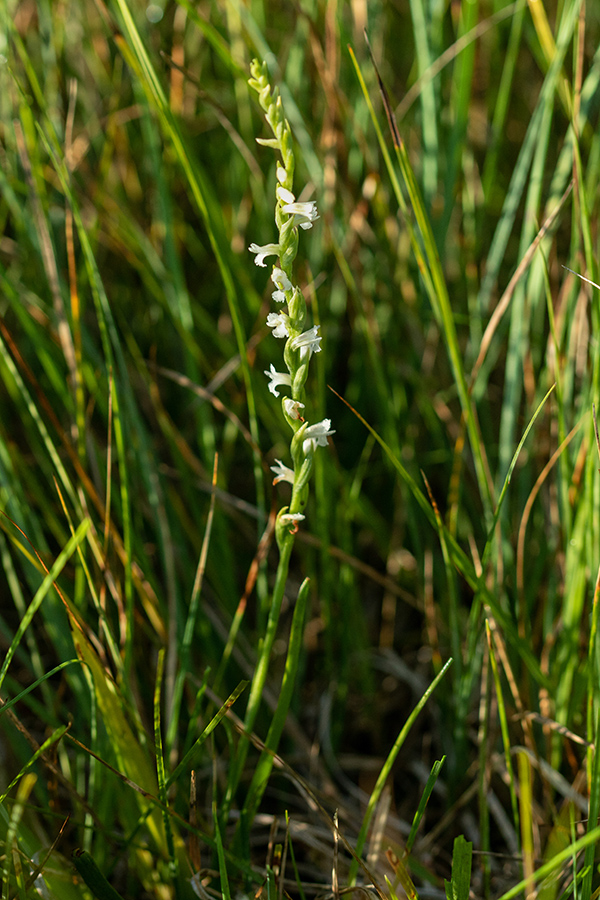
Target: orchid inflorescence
x,y
290,215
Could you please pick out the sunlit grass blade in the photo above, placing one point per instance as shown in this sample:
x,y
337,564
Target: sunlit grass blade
x,y
507,479
529,144
132,758
566,855
386,769
427,256
46,585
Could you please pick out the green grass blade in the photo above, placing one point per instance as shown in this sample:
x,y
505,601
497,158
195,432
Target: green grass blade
x,y
160,765
427,257
225,891
286,693
48,582
188,760
429,786
48,743
459,886
386,769
504,729
95,879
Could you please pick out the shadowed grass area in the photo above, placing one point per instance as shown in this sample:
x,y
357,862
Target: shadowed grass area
x,y
430,709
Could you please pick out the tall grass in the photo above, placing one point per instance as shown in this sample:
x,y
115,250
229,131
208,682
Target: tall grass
x,y
451,535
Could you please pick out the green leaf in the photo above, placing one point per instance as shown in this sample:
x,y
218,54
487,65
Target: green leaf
x,y
458,887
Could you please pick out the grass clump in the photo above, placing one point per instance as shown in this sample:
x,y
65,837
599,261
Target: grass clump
x,y
382,675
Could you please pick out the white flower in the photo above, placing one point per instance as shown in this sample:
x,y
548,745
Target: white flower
x,y
280,279
284,195
316,436
281,174
292,407
279,323
282,473
277,378
278,296
307,342
304,213
291,519
261,252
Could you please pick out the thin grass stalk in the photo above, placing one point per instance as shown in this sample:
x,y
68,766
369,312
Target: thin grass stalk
x,y
160,764
427,791
225,891
504,730
265,763
568,854
428,102
50,741
517,340
260,673
191,756
526,817
483,773
492,532
593,756
461,90
5,705
502,100
386,769
464,565
46,585
301,893
188,633
505,226
427,257
11,849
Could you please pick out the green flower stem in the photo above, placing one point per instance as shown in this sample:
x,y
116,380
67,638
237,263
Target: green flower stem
x,y
265,763
260,673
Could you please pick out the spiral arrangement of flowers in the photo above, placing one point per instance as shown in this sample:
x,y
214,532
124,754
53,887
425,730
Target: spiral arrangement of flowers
x,y
290,322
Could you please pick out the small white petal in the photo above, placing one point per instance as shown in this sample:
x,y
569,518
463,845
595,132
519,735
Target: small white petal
x,y
281,174
308,342
285,196
280,279
282,473
304,213
292,407
277,378
262,252
291,519
316,436
279,323
278,296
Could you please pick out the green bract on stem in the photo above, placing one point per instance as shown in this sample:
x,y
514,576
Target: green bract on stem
x,y
301,342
